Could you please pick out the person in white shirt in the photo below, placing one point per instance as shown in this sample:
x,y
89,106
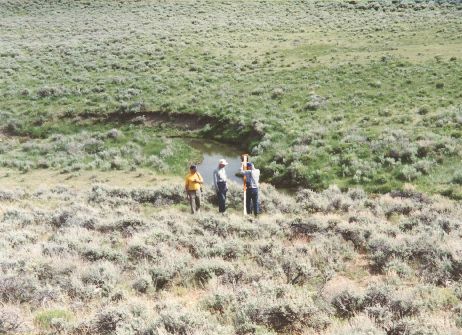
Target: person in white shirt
x,y
252,183
220,183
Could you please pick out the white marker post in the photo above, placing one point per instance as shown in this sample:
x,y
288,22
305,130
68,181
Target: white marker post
x,y
245,159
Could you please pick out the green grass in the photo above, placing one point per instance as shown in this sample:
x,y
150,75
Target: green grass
x,y
320,92
44,319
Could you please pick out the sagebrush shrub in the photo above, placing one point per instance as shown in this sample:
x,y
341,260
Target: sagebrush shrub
x,y
297,271
18,290
400,267
457,177
219,302
141,285
277,308
232,249
107,321
103,275
93,253
176,320
347,303
377,295
11,321
359,325
50,91
139,251
205,269
162,277
382,249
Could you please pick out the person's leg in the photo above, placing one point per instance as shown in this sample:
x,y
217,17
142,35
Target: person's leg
x,y
198,201
192,201
250,197
221,201
248,200
256,208
224,200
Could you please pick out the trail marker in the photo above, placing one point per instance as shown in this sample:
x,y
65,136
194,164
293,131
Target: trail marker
x,y
245,159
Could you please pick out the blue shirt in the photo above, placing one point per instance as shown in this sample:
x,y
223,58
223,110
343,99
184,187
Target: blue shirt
x,y
253,177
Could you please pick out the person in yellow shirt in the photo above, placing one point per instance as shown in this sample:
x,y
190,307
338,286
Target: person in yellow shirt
x,y
192,186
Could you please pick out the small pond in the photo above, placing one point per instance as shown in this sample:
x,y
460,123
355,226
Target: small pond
x,y
212,152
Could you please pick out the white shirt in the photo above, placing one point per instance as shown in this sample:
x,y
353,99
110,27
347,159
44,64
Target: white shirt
x,y
219,176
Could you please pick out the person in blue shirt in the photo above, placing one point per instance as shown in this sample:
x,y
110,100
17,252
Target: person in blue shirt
x,y
252,184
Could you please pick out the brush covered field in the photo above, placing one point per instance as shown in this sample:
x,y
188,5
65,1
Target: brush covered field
x,y
89,255
98,100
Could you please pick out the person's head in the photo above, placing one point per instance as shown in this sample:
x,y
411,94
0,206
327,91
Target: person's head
x,y
193,168
249,166
222,163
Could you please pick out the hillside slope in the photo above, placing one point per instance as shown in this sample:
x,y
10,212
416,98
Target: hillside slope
x,y
103,254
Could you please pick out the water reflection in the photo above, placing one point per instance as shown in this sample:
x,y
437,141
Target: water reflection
x,y
212,152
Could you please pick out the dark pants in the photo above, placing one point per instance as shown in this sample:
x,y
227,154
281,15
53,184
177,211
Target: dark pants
x,y
252,201
221,195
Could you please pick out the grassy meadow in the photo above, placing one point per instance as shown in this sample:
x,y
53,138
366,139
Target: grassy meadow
x,y
319,92
356,104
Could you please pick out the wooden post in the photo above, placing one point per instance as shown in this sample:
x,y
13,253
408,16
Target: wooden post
x,y
245,159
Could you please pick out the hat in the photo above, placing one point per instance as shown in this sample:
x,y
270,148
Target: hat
x,y
249,164
222,162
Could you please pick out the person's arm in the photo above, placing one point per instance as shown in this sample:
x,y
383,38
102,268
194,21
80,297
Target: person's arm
x,y
242,171
201,180
215,179
186,184
257,176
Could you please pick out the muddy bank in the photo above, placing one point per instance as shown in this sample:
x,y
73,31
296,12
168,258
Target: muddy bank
x,y
215,138
223,129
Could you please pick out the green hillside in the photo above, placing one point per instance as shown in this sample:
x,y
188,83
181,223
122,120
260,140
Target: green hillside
x,y
320,92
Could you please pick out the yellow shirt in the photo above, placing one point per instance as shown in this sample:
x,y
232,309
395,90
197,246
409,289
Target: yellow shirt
x,y
189,181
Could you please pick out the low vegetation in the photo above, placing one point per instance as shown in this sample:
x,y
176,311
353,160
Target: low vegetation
x,y
132,260
356,104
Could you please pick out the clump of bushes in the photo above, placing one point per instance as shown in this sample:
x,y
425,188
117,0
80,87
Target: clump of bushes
x,y
330,200
176,320
12,321
19,290
347,303
457,177
103,275
131,317
257,276
206,269
278,308
51,91
315,102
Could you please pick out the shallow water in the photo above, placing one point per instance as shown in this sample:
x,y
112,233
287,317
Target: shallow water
x,y
212,152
